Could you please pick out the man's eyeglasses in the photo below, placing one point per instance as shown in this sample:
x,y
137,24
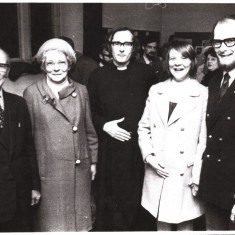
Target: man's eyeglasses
x,y
119,44
229,42
4,66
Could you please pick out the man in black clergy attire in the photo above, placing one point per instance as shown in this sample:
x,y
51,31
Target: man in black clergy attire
x,y
118,92
19,179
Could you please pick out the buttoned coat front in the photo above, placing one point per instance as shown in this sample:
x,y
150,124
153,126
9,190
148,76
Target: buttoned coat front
x,y
178,142
217,185
66,145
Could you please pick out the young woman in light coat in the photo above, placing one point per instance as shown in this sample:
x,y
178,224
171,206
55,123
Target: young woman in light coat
x,y
172,138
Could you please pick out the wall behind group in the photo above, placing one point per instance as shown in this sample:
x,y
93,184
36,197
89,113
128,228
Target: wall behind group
x,y
165,18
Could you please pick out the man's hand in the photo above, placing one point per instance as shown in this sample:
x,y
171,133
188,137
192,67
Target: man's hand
x,y
35,197
93,171
115,131
232,216
194,188
153,161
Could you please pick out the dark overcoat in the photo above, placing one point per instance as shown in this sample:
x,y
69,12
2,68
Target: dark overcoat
x,y
18,172
66,145
115,94
217,184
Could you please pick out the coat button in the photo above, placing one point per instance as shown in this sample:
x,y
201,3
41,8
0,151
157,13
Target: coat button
x,y
220,139
210,136
77,162
75,128
74,94
208,155
182,129
228,118
207,114
181,174
219,160
181,152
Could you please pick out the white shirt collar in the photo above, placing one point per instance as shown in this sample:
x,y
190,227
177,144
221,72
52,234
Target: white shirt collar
x,y
232,76
1,99
147,61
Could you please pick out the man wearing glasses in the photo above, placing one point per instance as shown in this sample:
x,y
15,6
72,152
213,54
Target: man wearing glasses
x,y
118,92
19,179
217,184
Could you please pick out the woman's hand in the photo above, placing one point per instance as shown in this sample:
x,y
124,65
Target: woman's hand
x,y
93,171
154,162
115,131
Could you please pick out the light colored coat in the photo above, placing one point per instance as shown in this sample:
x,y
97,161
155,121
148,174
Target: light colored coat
x,y
66,145
179,144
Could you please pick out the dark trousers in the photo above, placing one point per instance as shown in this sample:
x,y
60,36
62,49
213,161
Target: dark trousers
x,y
21,221
218,218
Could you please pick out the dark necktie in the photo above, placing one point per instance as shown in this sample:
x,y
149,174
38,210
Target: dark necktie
x,y
1,117
224,85
151,63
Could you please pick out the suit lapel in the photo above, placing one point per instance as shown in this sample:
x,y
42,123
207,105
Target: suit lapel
x,y
12,114
226,102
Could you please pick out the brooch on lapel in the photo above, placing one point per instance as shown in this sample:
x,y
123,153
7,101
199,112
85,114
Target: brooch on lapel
x,y
51,101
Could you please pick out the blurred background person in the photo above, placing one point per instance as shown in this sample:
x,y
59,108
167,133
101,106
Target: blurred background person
x,y
104,55
65,140
150,57
212,65
83,67
171,146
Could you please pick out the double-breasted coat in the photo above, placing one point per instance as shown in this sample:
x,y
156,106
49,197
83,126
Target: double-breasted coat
x,y
217,184
178,143
66,145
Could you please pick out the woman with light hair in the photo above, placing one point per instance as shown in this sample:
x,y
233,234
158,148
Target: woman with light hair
x,y
66,142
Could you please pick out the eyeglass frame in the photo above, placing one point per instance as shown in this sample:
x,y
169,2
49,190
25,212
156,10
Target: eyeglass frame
x,y
119,44
6,66
222,41
51,65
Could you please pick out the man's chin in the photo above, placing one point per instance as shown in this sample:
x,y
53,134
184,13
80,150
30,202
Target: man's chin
x,y
228,67
150,57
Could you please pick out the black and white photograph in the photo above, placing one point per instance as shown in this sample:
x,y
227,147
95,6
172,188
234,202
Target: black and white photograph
x,y
117,116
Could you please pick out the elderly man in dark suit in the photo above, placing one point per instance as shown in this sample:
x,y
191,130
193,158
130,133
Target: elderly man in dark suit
x,y
19,181
149,56
217,185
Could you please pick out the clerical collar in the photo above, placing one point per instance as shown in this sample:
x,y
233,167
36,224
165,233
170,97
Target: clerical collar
x,y
121,67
